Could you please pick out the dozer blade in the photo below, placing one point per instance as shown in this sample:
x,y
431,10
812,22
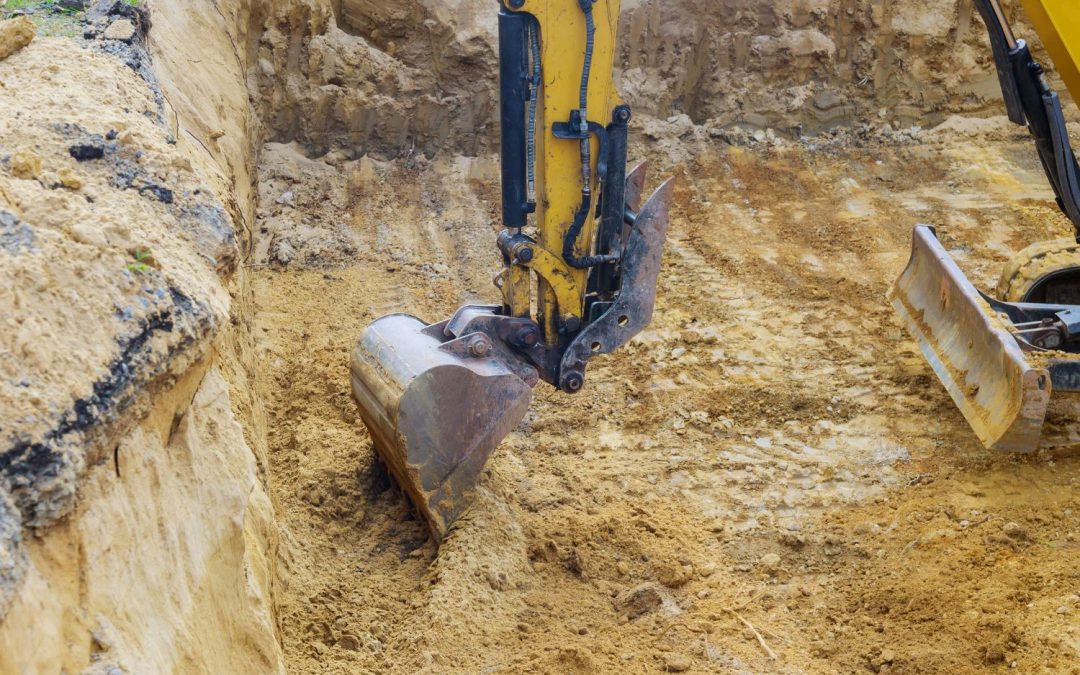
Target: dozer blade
x,y
436,409
971,348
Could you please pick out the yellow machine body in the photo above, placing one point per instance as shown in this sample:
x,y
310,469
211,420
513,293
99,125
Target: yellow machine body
x,y
560,288
1058,24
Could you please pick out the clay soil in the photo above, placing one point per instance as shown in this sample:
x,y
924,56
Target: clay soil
x,y
769,479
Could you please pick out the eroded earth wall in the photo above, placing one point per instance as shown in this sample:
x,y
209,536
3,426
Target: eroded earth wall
x,y
390,78
135,531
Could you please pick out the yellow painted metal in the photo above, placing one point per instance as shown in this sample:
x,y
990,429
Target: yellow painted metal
x,y
1058,25
561,279
558,171
517,291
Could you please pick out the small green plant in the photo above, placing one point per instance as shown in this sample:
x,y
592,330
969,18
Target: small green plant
x,y
144,261
133,3
16,4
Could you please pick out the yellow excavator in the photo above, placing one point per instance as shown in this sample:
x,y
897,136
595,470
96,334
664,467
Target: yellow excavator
x,y
580,259
1002,357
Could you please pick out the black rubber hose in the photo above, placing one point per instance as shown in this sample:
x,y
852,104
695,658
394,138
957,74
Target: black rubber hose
x,y
574,232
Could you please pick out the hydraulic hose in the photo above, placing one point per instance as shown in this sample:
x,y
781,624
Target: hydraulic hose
x,y
586,171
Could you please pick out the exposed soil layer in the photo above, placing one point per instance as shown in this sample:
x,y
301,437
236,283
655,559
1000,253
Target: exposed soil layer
x,y
390,79
772,452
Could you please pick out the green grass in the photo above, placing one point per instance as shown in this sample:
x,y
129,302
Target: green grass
x,y
143,260
50,20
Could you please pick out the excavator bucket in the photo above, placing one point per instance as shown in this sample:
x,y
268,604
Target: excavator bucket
x,y
971,348
436,407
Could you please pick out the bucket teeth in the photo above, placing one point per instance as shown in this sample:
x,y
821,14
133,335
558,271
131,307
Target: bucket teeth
x,y
971,349
434,414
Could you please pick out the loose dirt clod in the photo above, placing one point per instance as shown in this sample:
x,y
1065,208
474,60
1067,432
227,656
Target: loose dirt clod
x,y
121,29
14,35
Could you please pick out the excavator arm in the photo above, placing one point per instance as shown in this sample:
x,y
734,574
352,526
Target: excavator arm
x,y
1029,99
581,255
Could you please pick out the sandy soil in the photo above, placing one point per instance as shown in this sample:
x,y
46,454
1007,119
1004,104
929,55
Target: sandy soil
x,y
770,478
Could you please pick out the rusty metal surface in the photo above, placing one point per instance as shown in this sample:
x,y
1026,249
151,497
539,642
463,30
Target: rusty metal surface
x,y
435,412
635,185
632,310
1002,396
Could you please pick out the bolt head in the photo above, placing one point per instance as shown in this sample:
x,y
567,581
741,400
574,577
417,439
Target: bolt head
x,y
479,347
525,254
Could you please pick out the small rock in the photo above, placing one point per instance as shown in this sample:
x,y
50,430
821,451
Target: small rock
x,y
674,574
349,642
867,527
771,562
15,236
690,337
14,35
1014,531
888,656
993,654
121,29
158,192
91,147
1063,610
72,5
25,165
792,540
286,199
89,235
676,663
640,600
622,567
69,179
